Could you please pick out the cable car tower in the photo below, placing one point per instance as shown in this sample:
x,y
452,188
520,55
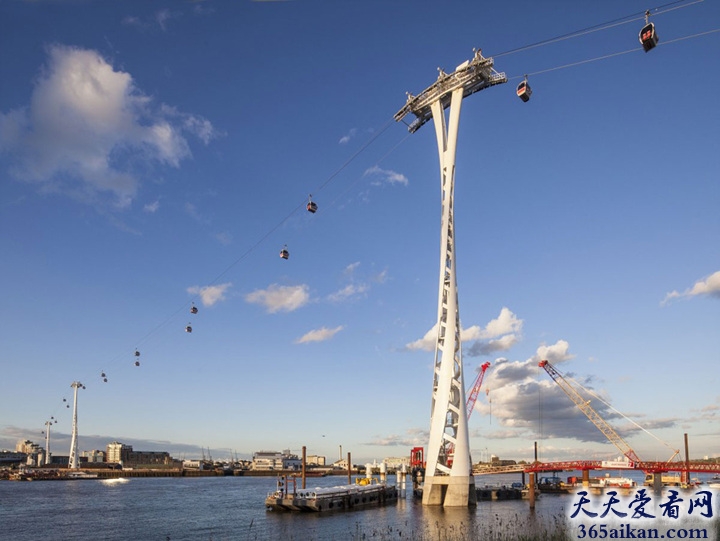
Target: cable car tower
x,y
73,462
448,476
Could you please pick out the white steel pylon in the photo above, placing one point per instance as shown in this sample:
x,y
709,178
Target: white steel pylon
x,y
448,476
48,424
73,462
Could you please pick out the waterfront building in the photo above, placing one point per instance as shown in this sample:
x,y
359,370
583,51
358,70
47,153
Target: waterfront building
x,y
12,458
274,460
94,455
117,452
315,460
35,454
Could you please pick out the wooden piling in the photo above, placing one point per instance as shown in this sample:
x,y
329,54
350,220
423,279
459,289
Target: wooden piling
x,y
304,455
349,470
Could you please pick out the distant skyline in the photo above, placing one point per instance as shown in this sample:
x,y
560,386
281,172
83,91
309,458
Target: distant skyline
x,y
159,156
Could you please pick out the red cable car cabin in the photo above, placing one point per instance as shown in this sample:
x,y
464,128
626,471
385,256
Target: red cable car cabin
x,y
524,91
648,38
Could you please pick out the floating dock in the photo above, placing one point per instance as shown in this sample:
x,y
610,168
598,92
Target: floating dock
x,y
364,493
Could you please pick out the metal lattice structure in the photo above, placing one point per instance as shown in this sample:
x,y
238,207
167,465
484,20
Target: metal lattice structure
x,y
584,405
73,463
448,475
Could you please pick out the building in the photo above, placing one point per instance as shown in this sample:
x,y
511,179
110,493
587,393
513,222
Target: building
x,y
35,454
315,460
94,455
117,452
274,460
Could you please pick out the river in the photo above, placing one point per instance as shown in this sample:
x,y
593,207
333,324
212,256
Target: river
x,y
232,508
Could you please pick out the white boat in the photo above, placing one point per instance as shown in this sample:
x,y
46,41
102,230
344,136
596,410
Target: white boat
x,y
81,475
364,493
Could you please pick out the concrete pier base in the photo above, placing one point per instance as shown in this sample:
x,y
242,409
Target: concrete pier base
x,y
450,491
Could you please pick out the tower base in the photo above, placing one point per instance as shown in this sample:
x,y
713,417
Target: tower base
x,y
449,491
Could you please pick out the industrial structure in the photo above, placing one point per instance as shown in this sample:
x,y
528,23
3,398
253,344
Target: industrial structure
x,y
448,476
73,463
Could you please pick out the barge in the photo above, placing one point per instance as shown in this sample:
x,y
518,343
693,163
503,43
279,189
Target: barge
x,y
367,492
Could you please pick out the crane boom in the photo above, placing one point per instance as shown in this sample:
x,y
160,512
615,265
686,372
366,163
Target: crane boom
x,y
591,414
475,389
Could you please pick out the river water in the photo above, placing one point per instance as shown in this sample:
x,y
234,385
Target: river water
x,y
232,508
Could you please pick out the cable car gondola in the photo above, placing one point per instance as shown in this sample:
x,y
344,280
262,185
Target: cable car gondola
x,y
284,253
648,37
137,363
312,206
188,328
524,91
194,309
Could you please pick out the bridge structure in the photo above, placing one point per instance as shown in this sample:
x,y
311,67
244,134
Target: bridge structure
x,y
448,475
584,465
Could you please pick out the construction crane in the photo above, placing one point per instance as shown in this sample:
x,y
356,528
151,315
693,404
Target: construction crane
x,y
591,414
470,402
475,389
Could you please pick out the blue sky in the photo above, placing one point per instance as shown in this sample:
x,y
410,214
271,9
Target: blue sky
x,y
158,154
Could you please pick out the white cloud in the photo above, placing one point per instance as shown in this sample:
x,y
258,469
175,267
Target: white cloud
x,y
505,323
351,268
209,295
278,298
349,291
709,286
163,16
319,335
357,287
556,353
387,175
86,123
224,237
152,207
427,342
503,332
346,138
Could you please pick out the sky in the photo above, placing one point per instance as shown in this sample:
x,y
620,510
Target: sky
x,y
159,155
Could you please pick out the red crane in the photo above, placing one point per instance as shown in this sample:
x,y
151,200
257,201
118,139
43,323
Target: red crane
x,y
475,389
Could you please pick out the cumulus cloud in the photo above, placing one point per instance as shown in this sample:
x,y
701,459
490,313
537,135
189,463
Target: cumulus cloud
x,y
427,342
277,298
319,335
210,295
709,287
525,400
501,334
386,175
88,129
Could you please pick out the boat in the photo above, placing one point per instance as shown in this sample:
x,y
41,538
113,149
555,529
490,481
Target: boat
x,y
80,475
366,492
552,485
